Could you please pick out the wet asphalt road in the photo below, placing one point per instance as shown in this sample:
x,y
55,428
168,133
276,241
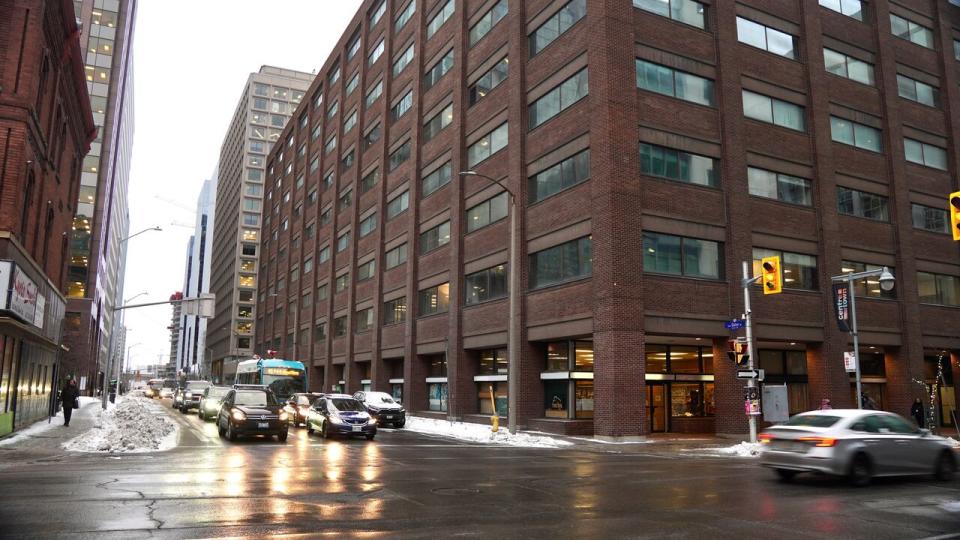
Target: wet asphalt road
x,y
406,485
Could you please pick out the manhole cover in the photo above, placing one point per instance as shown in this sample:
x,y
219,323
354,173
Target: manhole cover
x,y
455,491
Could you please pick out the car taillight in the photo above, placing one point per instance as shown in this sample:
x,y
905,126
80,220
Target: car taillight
x,y
821,442
765,438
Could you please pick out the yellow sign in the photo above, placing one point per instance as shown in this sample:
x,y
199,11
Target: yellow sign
x,y
283,372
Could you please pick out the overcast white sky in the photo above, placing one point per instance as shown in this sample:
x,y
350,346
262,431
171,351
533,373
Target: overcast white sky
x,y
191,60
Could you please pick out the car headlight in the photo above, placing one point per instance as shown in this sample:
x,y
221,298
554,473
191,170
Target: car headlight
x,y
189,394
372,421
402,410
237,414
284,416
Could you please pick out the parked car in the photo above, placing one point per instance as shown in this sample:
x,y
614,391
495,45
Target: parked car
x,y
188,395
168,388
209,406
859,444
252,411
299,404
153,388
340,414
382,406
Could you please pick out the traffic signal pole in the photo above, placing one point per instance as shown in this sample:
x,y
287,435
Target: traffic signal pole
x,y
751,362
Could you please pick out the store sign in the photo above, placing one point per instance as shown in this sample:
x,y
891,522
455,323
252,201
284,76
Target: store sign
x,y
6,268
849,362
23,295
841,305
41,311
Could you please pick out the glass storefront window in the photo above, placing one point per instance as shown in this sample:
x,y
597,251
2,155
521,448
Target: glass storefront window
x,y
584,394
438,396
871,364
656,357
493,362
684,359
499,393
678,359
558,356
583,356
396,390
796,363
771,362
555,399
691,399
438,366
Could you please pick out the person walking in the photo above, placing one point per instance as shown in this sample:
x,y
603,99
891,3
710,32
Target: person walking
x,y
69,398
916,411
825,404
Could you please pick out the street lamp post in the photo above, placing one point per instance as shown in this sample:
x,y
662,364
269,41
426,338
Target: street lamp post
x,y
513,337
887,282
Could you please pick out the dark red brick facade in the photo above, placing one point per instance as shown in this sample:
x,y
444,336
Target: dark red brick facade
x,y
621,308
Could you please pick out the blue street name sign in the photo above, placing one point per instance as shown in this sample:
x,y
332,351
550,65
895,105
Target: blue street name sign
x,y
734,324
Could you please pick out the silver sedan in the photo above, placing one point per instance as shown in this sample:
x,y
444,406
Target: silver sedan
x,y
859,444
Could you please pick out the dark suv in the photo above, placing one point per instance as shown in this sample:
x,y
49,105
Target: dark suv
x,y
381,406
340,414
252,411
188,395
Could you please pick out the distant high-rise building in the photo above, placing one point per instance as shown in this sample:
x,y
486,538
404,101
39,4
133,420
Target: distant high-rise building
x,y
97,250
268,99
175,330
45,130
191,349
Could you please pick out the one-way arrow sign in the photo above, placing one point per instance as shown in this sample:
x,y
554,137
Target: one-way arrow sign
x,y
750,374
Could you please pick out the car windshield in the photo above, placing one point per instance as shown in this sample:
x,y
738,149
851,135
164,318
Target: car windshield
x,y
813,420
346,405
380,397
217,392
200,385
254,398
169,384
305,400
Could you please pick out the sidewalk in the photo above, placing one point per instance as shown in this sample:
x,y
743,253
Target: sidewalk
x,y
661,444
43,438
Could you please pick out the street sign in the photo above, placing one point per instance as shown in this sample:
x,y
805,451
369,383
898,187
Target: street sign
x,y
734,324
750,374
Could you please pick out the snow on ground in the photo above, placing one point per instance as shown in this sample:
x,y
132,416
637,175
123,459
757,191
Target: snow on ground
x,y
744,449
35,429
951,506
480,433
133,425
954,442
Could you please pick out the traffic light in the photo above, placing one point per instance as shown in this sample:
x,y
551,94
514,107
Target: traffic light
x,y
770,275
737,352
955,214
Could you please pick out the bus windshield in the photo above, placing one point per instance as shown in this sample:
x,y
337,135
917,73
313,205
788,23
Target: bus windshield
x,y
285,386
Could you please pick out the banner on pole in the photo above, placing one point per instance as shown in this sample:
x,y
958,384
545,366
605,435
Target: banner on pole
x,y
841,304
849,362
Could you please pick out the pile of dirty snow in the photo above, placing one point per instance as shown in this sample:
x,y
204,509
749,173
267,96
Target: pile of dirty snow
x,y
744,449
954,442
133,425
480,433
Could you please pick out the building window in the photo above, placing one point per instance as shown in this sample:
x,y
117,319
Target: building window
x,y
372,136
867,287
559,99
685,11
678,359
555,26
345,199
489,19
341,283
377,12
434,238
680,256
489,80
766,38
320,332
323,255
369,180
307,265
353,46
956,49
405,15
489,284
847,132
433,300
773,111
347,161
374,93
850,8
779,186
350,121
436,124
930,219
332,111
396,256
925,154
799,271
330,145
788,368
343,241
489,211
334,75
364,319
677,165
848,67
368,225
395,311
402,106
441,17
399,156
938,289
398,205
565,262
438,70
674,83
403,60
322,292
328,180
436,179
318,98
911,31
861,204
486,146
340,326
915,90
315,165
326,216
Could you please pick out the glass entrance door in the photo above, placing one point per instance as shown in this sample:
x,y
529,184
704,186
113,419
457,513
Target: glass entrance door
x,y
657,407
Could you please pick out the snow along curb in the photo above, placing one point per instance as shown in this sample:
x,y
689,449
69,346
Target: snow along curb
x,y
134,425
480,433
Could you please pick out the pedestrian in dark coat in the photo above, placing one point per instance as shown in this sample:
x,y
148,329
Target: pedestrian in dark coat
x,y
916,411
69,398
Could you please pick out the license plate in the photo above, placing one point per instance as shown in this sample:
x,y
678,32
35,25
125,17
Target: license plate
x,y
263,425
389,417
356,428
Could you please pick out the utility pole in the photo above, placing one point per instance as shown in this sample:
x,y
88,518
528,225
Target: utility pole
x,y
751,359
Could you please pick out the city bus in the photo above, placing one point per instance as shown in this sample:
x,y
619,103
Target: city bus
x,y
283,377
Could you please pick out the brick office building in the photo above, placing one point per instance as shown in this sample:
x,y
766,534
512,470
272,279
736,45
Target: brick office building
x,y
46,127
653,145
